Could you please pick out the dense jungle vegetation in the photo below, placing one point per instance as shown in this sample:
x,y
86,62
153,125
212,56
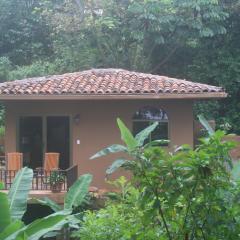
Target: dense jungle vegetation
x,y
187,194
193,39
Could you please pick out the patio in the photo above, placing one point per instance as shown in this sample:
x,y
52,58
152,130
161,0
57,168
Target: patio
x,y
41,178
40,185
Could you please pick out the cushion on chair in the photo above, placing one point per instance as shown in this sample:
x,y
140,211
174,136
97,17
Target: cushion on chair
x,y
51,161
14,161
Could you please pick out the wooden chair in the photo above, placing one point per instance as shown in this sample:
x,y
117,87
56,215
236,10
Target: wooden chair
x,y
14,164
51,161
14,161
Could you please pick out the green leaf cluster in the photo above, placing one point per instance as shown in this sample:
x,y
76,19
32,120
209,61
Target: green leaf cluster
x,y
13,205
122,218
187,194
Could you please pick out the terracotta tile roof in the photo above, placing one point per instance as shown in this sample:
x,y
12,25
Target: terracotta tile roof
x,y
104,82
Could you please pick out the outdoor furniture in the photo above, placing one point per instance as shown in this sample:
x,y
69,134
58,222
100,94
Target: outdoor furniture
x,y
14,164
41,176
51,161
14,161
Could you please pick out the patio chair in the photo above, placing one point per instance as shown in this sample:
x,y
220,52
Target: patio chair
x,y
51,162
14,161
14,164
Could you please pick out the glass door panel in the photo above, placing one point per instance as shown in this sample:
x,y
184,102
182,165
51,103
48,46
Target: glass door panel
x,y
58,138
30,141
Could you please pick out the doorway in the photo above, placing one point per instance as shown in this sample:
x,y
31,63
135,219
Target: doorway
x,y
31,141
38,135
58,138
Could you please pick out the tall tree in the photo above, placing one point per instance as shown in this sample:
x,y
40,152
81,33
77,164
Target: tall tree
x,y
194,39
127,33
24,35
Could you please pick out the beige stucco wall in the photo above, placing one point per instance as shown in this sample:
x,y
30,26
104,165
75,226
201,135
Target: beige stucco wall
x,y
97,127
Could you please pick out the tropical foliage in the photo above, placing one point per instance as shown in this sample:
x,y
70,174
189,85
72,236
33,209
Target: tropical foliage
x,y
187,194
122,218
13,206
197,40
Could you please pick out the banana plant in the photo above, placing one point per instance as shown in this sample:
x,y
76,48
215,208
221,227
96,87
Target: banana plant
x,y
235,169
18,193
13,205
205,124
74,197
132,145
77,192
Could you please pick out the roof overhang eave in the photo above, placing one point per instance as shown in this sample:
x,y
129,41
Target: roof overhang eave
x,y
196,96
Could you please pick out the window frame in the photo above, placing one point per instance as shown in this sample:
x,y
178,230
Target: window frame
x,y
151,121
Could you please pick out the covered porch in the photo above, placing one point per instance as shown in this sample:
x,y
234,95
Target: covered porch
x,y
41,178
42,144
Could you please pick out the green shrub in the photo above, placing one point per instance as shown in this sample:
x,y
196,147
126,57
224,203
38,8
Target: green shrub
x,y
123,218
187,194
14,204
112,223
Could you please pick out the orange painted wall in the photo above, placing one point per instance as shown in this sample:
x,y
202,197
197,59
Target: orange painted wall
x,y
97,127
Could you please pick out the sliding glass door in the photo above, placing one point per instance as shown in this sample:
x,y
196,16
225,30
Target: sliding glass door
x,y
58,138
31,140
37,135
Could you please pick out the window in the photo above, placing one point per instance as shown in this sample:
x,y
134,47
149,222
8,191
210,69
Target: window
x,y
148,115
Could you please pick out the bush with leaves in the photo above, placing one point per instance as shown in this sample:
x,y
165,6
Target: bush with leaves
x,y
14,204
190,192
122,218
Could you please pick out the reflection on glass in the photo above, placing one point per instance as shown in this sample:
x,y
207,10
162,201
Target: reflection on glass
x,y
148,115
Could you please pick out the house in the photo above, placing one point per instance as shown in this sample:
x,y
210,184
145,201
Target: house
x,y
75,114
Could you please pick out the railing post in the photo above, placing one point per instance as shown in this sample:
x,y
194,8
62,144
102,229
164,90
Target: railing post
x,y
72,174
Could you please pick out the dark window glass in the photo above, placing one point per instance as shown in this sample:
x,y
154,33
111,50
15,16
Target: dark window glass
x,y
31,141
139,126
149,113
58,138
161,132
147,116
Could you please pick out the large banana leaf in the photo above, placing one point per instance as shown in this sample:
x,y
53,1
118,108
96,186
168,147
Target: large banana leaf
x,y
127,136
5,218
41,227
11,229
144,134
206,125
72,223
110,149
77,192
22,236
18,193
115,165
48,202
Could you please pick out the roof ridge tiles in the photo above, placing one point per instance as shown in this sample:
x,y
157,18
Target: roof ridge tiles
x,y
105,81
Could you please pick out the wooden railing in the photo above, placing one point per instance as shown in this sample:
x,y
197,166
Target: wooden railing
x,y
41,179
